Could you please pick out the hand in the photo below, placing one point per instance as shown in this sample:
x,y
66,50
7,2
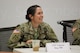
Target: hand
x,y
29,41
73,29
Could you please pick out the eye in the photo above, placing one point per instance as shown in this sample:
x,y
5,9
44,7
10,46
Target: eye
x,y
40,13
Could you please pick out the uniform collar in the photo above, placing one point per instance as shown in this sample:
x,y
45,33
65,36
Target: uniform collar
x,y
40,28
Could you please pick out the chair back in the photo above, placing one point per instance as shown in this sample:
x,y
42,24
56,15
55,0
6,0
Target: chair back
x,y
4,37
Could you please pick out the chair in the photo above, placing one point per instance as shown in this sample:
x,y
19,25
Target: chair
x,y
67,33
4,36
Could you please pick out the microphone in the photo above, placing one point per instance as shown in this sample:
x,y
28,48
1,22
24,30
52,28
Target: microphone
x,y
64,23
60,22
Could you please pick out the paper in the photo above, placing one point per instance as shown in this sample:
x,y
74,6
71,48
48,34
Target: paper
x,y
59,46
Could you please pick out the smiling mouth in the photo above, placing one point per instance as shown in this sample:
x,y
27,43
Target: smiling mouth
x,y
41,19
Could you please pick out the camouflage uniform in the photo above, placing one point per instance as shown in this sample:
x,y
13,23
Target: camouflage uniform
x,y
26,32
76,33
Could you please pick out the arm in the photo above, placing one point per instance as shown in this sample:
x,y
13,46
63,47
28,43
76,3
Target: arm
x,y
76,32
15,38
50,36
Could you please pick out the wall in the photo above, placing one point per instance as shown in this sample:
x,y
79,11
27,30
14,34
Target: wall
x,y
12,12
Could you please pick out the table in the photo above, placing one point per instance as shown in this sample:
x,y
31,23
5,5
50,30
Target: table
x,y
73,49
5,52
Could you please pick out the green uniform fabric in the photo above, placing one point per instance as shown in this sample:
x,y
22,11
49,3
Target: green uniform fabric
x,y
44,33
76,33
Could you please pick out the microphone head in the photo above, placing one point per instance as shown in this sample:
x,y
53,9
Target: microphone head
x,y
60,22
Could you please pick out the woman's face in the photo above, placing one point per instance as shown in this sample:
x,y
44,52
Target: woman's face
x,y
38,16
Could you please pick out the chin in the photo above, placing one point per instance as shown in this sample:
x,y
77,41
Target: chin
x,y
40,22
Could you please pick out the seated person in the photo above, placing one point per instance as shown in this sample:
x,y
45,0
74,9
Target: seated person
x,y
76,32
34,29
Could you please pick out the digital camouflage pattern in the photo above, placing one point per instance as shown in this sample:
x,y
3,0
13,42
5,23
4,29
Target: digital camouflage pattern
x,y
25,32
76,33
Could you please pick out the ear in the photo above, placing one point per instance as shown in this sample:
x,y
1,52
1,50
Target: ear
x,y
30,16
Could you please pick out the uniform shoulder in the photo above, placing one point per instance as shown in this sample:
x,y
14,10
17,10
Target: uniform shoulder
x,y
44,24
23,24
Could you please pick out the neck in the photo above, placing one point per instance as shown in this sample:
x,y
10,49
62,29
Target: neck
x,y
35,25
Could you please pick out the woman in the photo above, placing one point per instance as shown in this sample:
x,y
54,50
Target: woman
x,y
35,28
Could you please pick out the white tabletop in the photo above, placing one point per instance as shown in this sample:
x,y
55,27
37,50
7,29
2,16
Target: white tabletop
x,y
74,49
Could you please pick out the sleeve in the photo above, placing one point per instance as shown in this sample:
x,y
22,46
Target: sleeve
x,y
50,36
15,37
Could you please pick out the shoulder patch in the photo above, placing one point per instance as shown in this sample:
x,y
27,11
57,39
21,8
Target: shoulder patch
x,y
16,31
